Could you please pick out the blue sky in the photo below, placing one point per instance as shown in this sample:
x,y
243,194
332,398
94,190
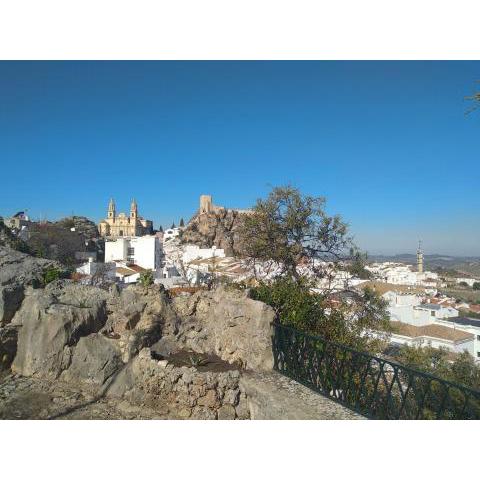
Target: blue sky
x,y
387,143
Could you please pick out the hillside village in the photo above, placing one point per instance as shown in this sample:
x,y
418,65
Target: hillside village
x,y
125,247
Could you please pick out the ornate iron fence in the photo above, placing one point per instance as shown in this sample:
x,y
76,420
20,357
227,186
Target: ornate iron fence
x,y
372,386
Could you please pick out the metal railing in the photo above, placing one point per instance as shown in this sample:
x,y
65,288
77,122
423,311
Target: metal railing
x,y
372,386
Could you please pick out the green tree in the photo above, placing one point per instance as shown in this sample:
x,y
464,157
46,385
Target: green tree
x,y
476,285
182,223
462,369
336,319
146,278
294,231
308,249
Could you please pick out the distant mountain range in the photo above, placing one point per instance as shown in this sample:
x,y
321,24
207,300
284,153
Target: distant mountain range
x,y
467,265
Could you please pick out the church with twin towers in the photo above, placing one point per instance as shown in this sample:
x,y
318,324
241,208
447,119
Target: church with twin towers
x,y
122,225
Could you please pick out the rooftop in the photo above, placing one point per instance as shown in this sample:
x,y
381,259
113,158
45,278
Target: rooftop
x,y
433,331
474,322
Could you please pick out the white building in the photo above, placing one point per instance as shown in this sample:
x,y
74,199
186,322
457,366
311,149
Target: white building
x,y
471,325
416,323
146,251
171,233
401,274
437,336
194,252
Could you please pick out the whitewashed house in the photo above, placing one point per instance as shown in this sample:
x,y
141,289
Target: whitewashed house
x,y
146,251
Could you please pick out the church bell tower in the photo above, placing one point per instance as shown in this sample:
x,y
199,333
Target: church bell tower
x,y
111,209
133,210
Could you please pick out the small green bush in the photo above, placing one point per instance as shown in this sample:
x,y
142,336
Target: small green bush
x,y
51,274
146,278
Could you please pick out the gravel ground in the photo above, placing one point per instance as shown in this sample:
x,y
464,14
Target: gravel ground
x,y
23,398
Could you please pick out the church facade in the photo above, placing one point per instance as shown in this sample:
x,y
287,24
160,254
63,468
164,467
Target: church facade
x,y
123,225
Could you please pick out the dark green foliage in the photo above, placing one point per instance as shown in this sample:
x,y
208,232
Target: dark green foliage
x,y
334,318
182,223
476,285
292,229
356,267
463,284
51,274
435,361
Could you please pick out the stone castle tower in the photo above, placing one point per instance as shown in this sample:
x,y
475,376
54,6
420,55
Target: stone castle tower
x,y
206,205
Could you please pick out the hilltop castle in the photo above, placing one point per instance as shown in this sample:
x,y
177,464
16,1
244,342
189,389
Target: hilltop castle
x,y
122,225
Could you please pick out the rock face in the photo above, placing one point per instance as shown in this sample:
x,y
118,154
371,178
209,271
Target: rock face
x,y
11,297
219,228
17,268
227,323
95,359
139,317
52,321
17,271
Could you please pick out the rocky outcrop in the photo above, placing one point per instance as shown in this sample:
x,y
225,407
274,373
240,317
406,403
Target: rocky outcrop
x,y
52,321
139,317
17,268
220,228
82,225
227,323
17,271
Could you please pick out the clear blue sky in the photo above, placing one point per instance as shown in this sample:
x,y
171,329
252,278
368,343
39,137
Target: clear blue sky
x,y
388,143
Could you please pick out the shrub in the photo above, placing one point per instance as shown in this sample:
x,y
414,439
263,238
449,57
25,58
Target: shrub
x,y
51,274
146,278
335,319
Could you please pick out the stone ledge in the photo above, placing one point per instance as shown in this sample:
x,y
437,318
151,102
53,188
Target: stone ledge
x,y
272,396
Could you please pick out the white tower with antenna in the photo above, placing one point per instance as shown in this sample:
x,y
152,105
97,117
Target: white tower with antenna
x,y
420,257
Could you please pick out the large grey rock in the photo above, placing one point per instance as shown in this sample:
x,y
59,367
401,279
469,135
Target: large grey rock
x,y
140,316
52,321
22,269
18,270
95,359
227,323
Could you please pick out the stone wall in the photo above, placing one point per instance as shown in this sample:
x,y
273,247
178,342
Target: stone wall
x,y
185,391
